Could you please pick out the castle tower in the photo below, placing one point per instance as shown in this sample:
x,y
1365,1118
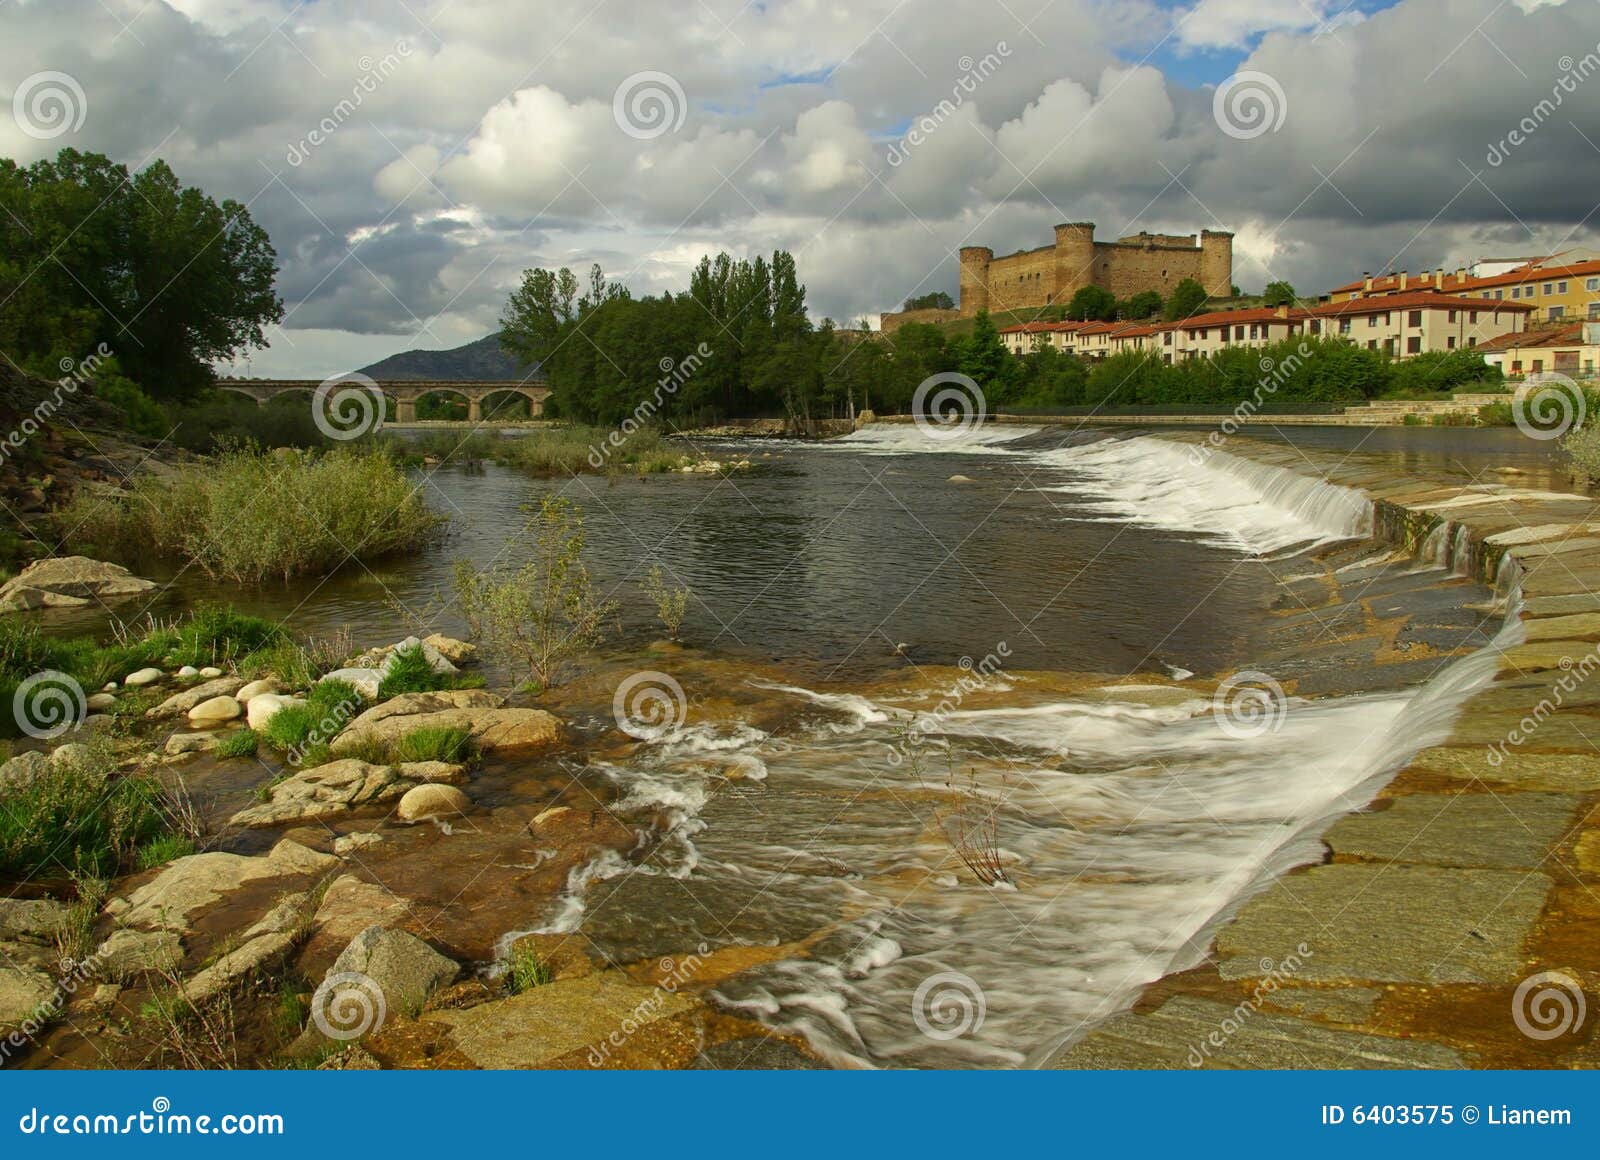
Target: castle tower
x,y
1216,262
1074,259
975,279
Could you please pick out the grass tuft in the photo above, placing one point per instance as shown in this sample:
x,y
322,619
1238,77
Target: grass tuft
x,y
435,744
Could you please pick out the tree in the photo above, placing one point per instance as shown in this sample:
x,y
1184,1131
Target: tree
x,y
1278,294
1188,299
166,277
1092,304
937,300
983,358
1145,304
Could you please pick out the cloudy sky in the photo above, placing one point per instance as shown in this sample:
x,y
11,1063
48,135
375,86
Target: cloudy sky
x,y
411,157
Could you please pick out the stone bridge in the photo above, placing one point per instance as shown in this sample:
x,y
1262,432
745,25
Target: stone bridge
x,y
404,393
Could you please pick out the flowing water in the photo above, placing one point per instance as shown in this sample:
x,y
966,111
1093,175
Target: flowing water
x,y
909,659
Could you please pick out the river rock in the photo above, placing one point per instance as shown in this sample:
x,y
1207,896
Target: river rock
x,y
346,844
432,801
130,953
190,884
457,652
482,714
256,688
26,995
365,680
403,968
68,581
266,943
349,906
182,744
263,707
33,918
71,754
215,710
186,700
340,786
21,771
188,672
99,702
142,677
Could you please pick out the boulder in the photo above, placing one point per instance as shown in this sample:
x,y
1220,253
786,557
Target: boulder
x,y
142,677
256,688
130,953
26,995
263,707
482,714
22,770
191,884
349,907
341,786
431,800
259,948
185,701
211,672
365,680
181,744
400,967
68,755
100,702
68,581
457,652
33,918
188,672
215,711
436,659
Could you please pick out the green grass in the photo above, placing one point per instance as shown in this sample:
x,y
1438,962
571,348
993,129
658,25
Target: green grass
x,y
159,851
330,705
81,818
528,970
409,672
435,744
248,516
243,743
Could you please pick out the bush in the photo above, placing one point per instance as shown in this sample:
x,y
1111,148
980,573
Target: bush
x,y
79,818
247,515
160,851
1582,446
141,413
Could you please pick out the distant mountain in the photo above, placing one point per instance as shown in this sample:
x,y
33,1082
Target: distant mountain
x,y
476,362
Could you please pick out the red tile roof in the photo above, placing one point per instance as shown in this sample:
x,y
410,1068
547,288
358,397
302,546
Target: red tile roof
x,y
1411,299
1452,284
1558,336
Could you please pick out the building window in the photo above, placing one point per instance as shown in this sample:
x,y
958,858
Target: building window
x,y
1238,333
1561,287
1372,322
1344,326
1472,341
1594,312
1498,294
1414,344
1414,318
1472,316
1549,287
1452,317
1516,366
1556,312
1450,342
1166,340
1592,284
1372,344
1538,365
1316,323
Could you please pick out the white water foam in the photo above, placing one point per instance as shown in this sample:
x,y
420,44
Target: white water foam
x,y
910,438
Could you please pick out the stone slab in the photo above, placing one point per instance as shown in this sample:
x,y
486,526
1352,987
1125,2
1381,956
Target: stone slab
x,y
1499,831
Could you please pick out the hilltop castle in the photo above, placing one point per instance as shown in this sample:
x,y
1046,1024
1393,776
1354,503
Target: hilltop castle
x,y
1051,275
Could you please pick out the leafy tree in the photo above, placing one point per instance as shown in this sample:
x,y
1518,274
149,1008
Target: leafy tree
x,y
937,300
983,357
1092,304
1145,304
1278,294
168,278
1188,299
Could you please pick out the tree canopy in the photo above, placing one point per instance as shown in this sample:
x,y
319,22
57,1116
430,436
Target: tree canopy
x,y
1278,294
166,277
937,300
1188,299
1092,304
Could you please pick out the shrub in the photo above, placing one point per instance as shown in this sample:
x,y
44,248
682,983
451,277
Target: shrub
x,y
435,744
141,413
544,614
671,603
1582,446
247,515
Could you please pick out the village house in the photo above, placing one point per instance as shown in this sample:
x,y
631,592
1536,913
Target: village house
x,y
1562,287
1572,350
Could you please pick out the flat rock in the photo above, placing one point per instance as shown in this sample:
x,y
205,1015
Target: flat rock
x,y
569,1015
191,884
33,918
457,652
62,581
1389,923
262,946
26,995
1336,1004
182,744
349,906
477,712
432,801
1499,831
1191,1032
195,695
129,953
341,786
1559,772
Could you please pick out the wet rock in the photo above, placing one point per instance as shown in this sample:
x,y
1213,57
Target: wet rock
x,y
346,844
189,698
404,968
755,1053
215,711
189,885
474,710
341,786
349,906
129,953
432,801
1470,829
261,946
364,680
139,678
68,581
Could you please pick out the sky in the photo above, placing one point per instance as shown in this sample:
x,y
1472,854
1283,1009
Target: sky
x,y
410,158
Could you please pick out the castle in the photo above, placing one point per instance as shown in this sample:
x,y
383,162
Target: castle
x,y
1051,275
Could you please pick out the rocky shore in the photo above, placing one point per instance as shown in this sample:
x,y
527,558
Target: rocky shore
x,y
1454,922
